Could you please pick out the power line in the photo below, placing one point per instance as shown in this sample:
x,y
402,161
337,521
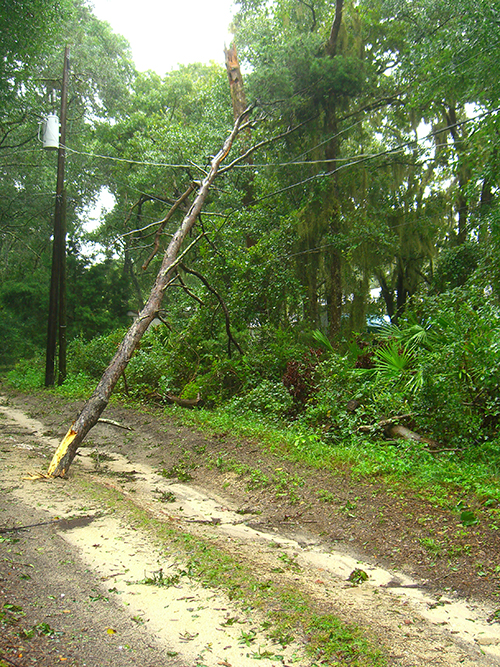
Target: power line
x,y
290,163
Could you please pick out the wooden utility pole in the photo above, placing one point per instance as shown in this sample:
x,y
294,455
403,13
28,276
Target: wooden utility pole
x,y
57,296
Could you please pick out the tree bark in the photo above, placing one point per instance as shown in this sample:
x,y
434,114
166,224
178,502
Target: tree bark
x,y
463,175
239,100
399,431
335,29
235,81
96,404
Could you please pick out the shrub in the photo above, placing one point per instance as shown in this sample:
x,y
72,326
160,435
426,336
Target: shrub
x,y
27,374
93,356
300,378
268,398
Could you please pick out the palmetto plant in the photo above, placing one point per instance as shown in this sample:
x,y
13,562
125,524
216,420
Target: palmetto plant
x,y
396,363
430,336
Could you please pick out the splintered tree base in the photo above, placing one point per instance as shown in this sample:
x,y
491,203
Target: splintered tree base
x,y
94,407
61,459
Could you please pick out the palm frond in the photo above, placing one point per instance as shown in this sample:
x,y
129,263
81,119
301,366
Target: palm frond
x,y
320,338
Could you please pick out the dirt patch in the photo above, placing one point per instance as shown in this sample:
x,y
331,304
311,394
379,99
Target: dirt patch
x,y
431,586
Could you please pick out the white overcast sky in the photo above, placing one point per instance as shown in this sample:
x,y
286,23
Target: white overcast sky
x,y
165,33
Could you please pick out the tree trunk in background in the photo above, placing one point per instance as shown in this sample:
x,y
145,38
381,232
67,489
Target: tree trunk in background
x,y
464,175
239,100
96,404
334,271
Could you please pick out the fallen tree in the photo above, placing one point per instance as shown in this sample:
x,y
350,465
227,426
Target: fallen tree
x,y
96,404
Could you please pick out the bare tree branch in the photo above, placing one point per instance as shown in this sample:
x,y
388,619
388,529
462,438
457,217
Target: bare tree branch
x,y
261,144
313,12
163,222
188,291
230,338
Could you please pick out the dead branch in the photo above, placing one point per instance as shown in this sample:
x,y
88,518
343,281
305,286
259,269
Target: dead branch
x,y
383,423
393,430
184,402
188,291
163,222
97,403
113,423
399,431
142,200
230,338
244,157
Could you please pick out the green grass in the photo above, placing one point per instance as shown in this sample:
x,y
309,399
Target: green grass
x,y
441,477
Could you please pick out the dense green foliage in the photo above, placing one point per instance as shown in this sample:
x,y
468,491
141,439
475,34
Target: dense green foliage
x,y
372,198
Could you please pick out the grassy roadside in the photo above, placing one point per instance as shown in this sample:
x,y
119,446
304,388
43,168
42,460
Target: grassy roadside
x,y
471,473
449,526
441,479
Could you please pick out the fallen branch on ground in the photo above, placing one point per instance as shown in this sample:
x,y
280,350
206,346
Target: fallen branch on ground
x,y
393,430
383,423
184,402
113,423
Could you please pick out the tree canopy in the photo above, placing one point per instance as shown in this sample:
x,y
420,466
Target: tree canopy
x,y
365,188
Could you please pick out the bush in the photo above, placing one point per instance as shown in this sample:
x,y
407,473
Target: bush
x,y
27,374
268,398
456,265
92,357
300,378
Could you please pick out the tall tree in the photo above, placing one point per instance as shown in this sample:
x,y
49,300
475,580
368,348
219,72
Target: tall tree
x,y
99,80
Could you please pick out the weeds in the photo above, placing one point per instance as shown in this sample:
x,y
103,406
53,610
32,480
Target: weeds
x,y
157,578
180,471
335,643
247,638
430,545
326,496
165,496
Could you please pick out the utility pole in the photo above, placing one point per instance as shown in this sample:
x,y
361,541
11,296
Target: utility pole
x,y
57,296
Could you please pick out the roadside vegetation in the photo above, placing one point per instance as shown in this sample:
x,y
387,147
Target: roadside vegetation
x,y
333,405
340,296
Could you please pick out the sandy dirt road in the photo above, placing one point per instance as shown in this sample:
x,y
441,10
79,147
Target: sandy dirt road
x,y
87,578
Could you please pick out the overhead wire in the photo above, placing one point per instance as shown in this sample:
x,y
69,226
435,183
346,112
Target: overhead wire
x,y
362,158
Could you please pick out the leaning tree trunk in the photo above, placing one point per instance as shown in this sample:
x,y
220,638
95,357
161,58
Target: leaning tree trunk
x,y
96,404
